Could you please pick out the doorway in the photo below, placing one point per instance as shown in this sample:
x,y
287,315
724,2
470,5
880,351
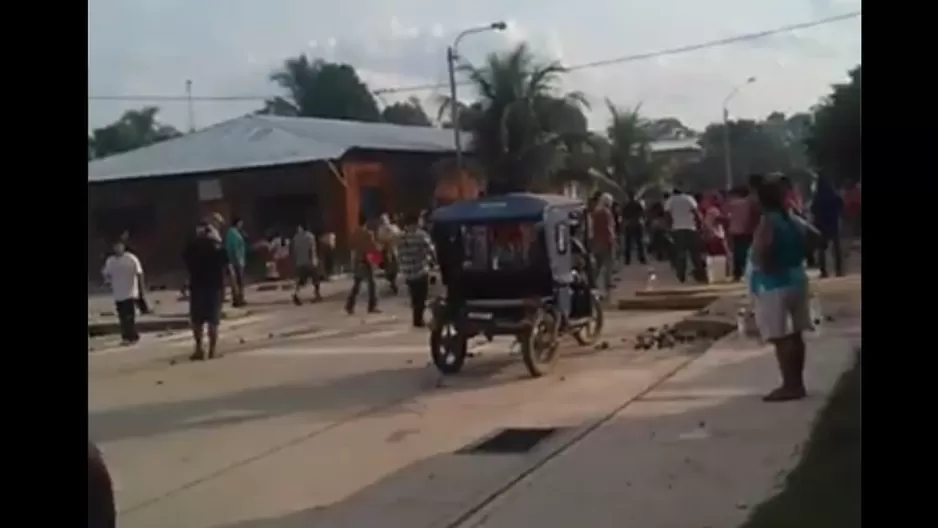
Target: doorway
x,y
371,202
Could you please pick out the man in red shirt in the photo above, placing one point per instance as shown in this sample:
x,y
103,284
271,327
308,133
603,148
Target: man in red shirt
x,y
740,212
603,241
852,208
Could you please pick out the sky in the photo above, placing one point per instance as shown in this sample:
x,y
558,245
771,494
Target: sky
x,y
230,48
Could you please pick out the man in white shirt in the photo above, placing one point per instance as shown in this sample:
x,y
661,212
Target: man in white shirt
x,y
388,234
684,217
123,272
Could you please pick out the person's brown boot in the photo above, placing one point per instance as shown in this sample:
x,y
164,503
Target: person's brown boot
x,y
797,365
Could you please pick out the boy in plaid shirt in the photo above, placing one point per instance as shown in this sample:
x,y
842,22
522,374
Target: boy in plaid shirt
x,y
415,256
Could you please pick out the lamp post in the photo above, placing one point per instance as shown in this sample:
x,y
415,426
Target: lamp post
x,y
189,105
451,56
727,154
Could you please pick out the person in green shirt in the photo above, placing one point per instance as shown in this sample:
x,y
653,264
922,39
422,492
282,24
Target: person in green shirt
x,y
237,256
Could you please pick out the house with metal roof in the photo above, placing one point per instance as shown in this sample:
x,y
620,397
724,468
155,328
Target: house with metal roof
x,y
272,172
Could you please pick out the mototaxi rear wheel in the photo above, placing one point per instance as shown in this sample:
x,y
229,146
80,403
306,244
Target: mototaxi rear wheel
x,y
589,334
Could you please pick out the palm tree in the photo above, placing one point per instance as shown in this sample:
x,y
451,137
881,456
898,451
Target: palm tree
x,y
630,139
316,88
521,121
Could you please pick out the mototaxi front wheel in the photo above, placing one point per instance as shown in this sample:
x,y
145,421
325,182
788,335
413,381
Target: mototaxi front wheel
x,y
539,344
448,348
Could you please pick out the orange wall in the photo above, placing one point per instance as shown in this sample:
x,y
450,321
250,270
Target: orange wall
x,y
456,187
359,175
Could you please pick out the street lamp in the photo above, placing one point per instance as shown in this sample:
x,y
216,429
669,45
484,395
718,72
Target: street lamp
x,y
451,57
728,156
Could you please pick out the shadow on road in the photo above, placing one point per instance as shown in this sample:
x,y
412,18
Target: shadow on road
x,y
372,391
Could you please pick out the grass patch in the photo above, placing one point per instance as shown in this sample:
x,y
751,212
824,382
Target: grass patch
x,y
824,489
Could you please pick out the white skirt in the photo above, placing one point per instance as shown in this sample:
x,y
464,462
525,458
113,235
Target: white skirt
x,y
782,312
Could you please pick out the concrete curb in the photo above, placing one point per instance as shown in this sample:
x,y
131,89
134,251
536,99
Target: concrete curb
x,y
669,302
692,290
158,324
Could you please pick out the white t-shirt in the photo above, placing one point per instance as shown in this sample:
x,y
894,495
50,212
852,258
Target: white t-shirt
x,y
121,272
681,207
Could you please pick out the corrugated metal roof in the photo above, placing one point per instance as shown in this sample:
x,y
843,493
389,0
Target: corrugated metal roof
x,y
669,145
260,141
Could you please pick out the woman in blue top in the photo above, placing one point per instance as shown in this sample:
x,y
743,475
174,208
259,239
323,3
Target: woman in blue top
x,y
778,283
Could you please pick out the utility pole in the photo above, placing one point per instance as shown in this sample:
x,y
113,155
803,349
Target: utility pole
x,y
451,56
189,105
454,106
727,154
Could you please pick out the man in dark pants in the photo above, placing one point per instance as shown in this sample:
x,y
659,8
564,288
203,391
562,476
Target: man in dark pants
x,y
306,263
141,303
827,209
415,255
684,217
123,272
633,216
207,264
363,245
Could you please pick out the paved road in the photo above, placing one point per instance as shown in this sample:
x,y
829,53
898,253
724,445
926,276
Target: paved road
x,y
313,418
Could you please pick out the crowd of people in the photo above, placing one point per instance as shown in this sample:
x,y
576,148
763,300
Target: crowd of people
x,y
770,235
217,257
715,229
763,230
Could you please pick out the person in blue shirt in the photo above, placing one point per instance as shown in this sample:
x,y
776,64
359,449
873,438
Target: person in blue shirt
x,y
827,208
237,256
778,284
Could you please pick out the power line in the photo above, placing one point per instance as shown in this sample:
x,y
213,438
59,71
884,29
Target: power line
x,y
180,97
593,64
669,51
715,43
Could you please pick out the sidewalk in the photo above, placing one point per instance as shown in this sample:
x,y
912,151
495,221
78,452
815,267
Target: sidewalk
x,y
700,449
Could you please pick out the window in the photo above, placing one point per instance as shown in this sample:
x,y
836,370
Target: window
x,y
500,247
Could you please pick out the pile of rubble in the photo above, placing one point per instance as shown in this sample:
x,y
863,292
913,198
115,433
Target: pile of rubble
x,y
670,336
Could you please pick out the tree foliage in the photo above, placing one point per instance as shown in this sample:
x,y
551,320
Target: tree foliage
x,y
629,158
322,89
835,139
775,144
134,129
524,128
528,134
630,137
409,112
